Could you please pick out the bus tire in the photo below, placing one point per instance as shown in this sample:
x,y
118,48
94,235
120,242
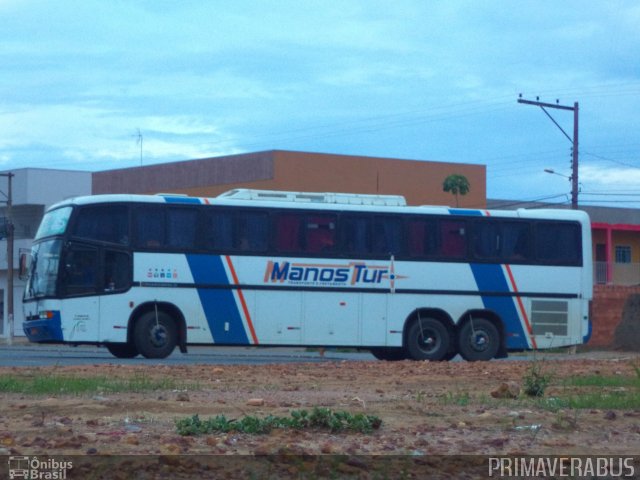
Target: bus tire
x,y
122,350
479,340
428,339
389,354
155,337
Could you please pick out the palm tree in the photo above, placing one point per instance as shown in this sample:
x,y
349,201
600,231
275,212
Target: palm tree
x,y
456,184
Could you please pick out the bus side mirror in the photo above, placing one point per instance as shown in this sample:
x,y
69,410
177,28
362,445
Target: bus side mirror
x,y
24,265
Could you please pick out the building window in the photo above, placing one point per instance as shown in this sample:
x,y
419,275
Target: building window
x,y
623,254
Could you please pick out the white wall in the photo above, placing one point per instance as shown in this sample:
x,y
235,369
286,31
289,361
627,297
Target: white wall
x,y
42,186
38,188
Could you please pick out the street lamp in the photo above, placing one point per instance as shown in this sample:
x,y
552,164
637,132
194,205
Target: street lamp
x,y
552,171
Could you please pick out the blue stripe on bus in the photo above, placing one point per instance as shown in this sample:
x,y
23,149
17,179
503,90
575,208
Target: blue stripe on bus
x,y
219,305
191,200
464,211
491,278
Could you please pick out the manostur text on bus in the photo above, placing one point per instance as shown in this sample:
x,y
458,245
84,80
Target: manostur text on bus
x,y
352,273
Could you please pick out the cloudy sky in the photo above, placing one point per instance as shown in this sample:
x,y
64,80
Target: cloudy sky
x,y
82,82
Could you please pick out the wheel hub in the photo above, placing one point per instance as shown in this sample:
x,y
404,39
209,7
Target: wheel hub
x,y
158,336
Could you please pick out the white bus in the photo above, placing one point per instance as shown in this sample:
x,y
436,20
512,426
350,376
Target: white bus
x,y
144,274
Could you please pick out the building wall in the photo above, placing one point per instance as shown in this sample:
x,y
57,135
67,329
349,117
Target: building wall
x,y
419,181
607,307
186,175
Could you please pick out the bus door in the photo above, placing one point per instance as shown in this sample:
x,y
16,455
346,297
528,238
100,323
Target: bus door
x,y
79,285
115,279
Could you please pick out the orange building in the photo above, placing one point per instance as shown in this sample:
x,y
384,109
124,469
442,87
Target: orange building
x,y
420,182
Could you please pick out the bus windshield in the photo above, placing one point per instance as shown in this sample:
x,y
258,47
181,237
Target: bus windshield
x,y
54,223
44,269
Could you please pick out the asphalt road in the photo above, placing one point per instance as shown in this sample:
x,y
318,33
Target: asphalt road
x,y
22,354
25,355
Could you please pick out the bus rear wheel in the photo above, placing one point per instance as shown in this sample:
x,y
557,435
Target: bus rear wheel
x,y
122,350
155,335
479,340
428,339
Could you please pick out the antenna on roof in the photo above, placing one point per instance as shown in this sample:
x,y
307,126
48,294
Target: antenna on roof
x,y
139,141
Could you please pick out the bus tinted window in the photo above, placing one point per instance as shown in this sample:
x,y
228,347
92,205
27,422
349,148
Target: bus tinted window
x,y
80,270
226,230
515,242
357,235
387,236
422,238
320,233
288,232
217,230
250,231
105,224
149,227
501,241
558,243
486,240
453,239
182,226
117,271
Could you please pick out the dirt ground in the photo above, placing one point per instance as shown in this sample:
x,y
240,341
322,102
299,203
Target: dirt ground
x,y
426,409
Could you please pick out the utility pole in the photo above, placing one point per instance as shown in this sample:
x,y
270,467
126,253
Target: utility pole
x,y
10,241
574,140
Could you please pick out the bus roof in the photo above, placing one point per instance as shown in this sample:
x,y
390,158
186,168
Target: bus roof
x,y
322,201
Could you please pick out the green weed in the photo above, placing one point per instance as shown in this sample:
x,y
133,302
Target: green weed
x,y
319,418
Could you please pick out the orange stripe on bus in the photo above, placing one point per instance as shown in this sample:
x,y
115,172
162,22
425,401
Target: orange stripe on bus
x,y
521,306
242,300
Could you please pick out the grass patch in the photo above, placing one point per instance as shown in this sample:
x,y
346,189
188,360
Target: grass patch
x,y
75,385
602,392
318,418
603,401
602,381
460,399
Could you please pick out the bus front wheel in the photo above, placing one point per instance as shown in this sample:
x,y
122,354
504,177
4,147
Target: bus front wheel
x,y
479,340
155,334
122,350
428,339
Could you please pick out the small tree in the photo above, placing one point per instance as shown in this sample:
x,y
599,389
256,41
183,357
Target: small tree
x,y
457,185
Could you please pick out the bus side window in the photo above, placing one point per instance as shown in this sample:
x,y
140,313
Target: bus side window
x,y
182,225
453,235
558,243
250,232
106,224
422,238
80,270
516,241
356,233
288,228
387,236
117,271
217,230
149,226
486,239
320,233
